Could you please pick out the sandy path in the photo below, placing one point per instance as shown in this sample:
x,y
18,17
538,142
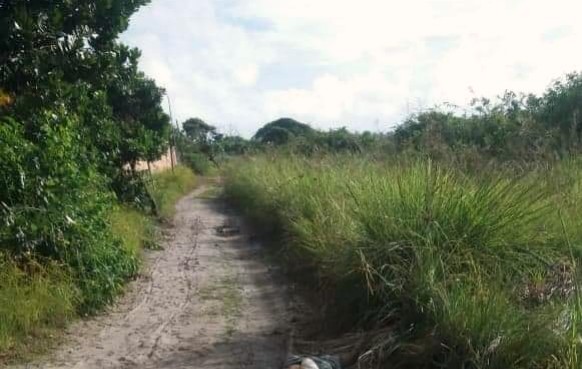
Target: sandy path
x,y
206,301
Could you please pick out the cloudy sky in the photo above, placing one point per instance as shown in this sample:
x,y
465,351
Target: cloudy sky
x,y
363,64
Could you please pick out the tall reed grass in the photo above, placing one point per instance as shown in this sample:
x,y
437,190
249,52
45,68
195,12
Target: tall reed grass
x,y
477,268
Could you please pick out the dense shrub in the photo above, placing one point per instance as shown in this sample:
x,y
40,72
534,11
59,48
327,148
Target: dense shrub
x,y
55,207
198,162
76,114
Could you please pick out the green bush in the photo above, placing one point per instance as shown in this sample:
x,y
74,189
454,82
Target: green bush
x,y
55,206
73,119
198,162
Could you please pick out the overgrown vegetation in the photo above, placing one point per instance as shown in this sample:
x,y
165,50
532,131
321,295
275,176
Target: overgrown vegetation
x,y
169,186
461,230
474,271
34,301
513,128
76,116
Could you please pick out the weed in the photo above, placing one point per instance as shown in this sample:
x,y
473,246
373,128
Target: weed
x,y
169,186
135,229
35,301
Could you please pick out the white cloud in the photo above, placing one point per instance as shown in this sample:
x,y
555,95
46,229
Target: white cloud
x,y
364,64
332,102
247,75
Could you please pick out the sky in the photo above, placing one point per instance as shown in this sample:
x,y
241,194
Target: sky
x,y
365,64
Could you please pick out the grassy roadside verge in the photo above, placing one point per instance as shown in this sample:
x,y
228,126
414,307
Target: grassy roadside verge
x,y
169,186
473,271
34,305
38,300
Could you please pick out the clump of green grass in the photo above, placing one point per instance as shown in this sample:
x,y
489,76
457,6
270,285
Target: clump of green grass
x,y
136,230
199,163
452,254
35,301
169,186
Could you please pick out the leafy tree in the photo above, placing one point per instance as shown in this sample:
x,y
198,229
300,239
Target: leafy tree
x,y
282,130
197,144
198,130
233,145
74,111
136,104
42,39
561,108
67,53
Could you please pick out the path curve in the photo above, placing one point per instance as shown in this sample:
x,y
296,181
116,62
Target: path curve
x,y
207,300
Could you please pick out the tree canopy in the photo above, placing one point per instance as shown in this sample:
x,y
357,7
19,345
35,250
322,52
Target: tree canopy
x,y
282,130
66,54
198,130
76,114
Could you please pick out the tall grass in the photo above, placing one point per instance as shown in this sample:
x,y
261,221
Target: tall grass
x,y
477,268
35,301
136,230
169,186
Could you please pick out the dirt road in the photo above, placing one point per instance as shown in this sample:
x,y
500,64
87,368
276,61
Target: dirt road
x,y
207,300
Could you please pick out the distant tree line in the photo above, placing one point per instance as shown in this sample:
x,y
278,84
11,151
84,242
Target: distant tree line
x,y
200,144
513,127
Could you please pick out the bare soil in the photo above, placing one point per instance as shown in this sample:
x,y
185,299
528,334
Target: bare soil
x,y
207,300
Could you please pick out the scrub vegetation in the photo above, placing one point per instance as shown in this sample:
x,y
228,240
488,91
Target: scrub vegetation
x,y
472,270
461,231
76,116
169,186
460,228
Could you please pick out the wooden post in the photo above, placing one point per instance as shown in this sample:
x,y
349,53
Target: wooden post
x,y
172,151
172,134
